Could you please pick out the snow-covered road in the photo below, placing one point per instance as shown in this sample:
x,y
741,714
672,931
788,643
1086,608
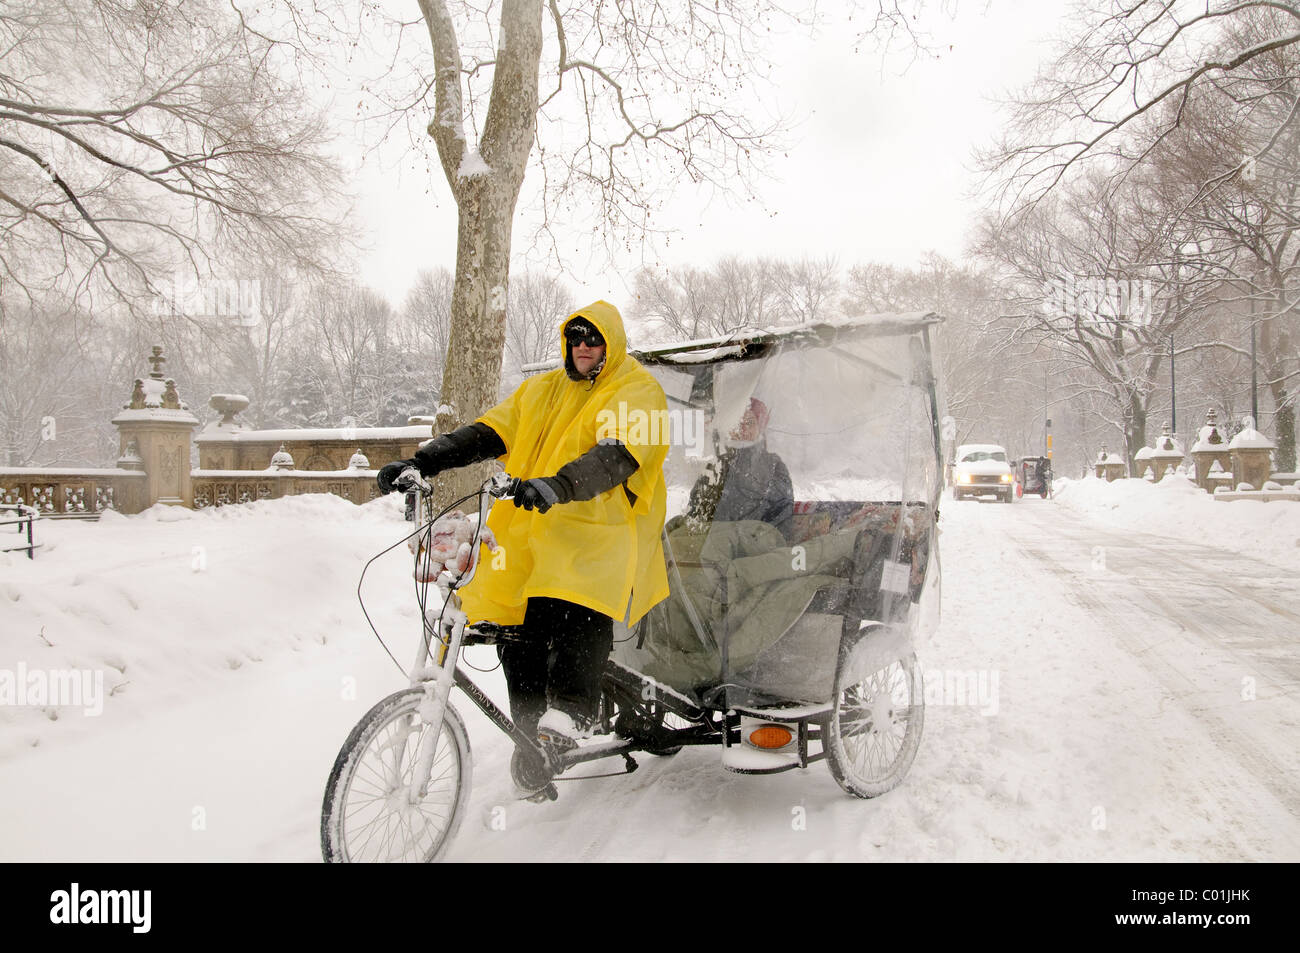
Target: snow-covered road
x,y
1131,697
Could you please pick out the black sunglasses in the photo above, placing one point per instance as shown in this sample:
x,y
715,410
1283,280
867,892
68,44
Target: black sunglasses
x,y
590,337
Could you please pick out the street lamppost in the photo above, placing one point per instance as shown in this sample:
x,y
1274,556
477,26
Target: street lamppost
x,y
1254,367
1178,310
1173,398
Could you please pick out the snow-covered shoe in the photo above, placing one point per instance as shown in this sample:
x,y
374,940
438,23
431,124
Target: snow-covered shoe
x,y
559,732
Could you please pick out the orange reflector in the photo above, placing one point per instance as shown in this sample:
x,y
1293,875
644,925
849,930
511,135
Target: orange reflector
x,y
770,736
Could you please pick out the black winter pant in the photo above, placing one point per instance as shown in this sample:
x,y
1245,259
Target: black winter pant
x,y
559,663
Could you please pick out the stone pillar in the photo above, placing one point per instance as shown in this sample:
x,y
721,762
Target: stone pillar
x,y
1167,455
1252,456
161,427
1210,448
1142,465
1109,467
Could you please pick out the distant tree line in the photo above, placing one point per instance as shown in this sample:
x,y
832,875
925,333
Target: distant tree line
x,y
1148,203
308,354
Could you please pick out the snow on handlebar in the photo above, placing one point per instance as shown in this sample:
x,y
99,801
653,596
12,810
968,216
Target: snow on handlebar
x,y
501,485
411,479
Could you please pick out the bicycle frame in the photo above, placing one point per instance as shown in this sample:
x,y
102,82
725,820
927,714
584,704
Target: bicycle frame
x,y
437,678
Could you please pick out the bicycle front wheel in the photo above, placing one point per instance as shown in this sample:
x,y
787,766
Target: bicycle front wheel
x,y
368,815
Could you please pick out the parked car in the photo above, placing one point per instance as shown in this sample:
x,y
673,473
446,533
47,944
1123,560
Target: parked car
x,y
981,469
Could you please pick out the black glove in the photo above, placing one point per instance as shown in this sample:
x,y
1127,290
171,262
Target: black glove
x,y
541,493
456,449
388,474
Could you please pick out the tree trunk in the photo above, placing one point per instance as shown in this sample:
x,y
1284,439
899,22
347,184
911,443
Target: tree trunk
x,y
478,321
1135,434
486,187
1273,347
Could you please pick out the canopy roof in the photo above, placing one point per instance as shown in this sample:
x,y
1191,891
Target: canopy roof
x,y
745,343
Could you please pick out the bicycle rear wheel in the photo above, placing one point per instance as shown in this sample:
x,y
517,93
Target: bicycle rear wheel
x,y
875,727
367,815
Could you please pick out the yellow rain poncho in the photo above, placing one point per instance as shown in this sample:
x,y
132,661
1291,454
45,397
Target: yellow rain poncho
x,y
604,553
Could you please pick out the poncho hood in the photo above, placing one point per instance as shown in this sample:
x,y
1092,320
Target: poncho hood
x,y
606,319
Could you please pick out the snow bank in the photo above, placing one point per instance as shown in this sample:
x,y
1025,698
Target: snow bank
x,y
176,602
1178,509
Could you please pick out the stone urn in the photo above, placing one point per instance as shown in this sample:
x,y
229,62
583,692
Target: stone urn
x,y
228,406
1252,455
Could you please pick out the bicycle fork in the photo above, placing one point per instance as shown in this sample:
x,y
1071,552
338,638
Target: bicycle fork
x,y
437,681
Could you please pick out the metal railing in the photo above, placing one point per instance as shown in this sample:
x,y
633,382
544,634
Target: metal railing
x,y
22,515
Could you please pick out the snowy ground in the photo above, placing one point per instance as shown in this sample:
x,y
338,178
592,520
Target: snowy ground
x,y
1138,665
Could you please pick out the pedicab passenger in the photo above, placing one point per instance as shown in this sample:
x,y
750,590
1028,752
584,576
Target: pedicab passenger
x,y
739,577
750,483
582,538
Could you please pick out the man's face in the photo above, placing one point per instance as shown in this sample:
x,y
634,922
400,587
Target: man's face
x,y
586,345
749,427
586,357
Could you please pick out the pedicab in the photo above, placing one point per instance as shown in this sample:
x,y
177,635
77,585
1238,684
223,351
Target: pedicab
x,y
802,559
1034,474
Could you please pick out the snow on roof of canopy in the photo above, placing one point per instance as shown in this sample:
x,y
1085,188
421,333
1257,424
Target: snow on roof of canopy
x,y
735,345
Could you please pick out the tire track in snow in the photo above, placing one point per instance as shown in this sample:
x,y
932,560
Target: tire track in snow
x,y
1234,744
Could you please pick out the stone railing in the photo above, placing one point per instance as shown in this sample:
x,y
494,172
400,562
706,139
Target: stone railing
x,y
236,465
313,450
224,487
71,491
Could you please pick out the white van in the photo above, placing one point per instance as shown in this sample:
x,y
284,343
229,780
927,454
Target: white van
x,y
982,469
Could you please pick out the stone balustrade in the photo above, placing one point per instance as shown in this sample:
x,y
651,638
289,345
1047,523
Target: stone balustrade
x,y
225,487
315,449
72,491
236,465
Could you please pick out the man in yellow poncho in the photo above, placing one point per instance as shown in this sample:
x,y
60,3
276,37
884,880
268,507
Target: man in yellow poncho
x,y
588,439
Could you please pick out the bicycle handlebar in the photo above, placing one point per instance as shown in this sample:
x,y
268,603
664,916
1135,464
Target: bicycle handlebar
x,y
498,486
411,479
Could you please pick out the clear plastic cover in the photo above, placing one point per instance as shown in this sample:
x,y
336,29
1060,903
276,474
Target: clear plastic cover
x,y
802,491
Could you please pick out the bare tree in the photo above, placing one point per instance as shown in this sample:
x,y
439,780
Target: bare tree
x,y
1192,105
807,289
538,302
680,304
990,385
351,324
608,105
1247,219
43,396
248,351
1135,61
424,327
1092,272
138,138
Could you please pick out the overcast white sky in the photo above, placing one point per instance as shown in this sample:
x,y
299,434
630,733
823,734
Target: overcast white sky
x,y
879,169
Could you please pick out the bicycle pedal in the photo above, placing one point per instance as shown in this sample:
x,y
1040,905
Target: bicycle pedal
x,y
556,746
548,793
